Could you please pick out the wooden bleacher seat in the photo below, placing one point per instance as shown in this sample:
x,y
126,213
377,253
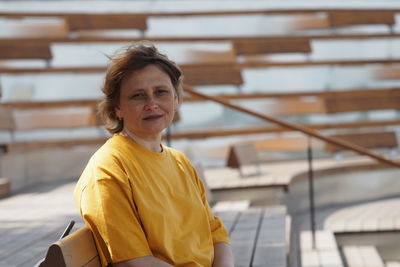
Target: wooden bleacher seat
x,y
388,72
368,140
258,235
342,18
41,29
75,250
378,216
325,253
42,116
218,206
392,264
362,256
47,117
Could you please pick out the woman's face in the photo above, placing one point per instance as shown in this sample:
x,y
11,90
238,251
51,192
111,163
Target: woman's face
x,y
147,102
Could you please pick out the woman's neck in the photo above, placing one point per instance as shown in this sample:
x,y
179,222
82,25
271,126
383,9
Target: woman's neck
x,y
153,144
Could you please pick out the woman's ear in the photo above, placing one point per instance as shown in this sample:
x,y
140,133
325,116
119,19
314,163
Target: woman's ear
x,y
118,113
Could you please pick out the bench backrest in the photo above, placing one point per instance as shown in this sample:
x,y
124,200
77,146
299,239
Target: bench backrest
x,y
25,51
106,21
6,119
269,46
369,101
212,75
47,118
367,140
76,250
360,17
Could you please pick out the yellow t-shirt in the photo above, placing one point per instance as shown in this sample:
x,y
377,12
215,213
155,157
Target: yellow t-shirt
x,y
140,203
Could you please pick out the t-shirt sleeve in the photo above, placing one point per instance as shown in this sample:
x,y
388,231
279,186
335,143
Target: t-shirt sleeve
x,y
108,208
218,230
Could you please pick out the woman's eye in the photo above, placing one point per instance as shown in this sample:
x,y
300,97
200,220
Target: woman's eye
x,y
161,92
138,96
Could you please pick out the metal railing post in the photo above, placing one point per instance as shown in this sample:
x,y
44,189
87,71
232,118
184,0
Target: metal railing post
x,y
168,136
311,190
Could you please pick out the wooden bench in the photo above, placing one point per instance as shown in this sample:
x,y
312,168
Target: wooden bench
x,y
392,264
258,236
378,216
325,252
76,249
218,206
362,256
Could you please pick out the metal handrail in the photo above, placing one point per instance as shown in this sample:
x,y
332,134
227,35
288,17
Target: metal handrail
x,y
296,127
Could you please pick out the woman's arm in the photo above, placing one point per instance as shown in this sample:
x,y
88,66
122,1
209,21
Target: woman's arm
x,y
142,262
223,256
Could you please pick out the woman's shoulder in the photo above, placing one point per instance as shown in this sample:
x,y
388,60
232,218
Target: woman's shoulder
x,y
175,153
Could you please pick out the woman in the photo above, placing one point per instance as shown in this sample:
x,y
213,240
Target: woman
x,y
142,200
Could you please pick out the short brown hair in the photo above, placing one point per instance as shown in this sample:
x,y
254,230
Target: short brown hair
x,y
127,60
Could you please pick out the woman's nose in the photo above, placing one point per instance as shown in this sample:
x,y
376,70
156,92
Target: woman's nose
x,y
151,103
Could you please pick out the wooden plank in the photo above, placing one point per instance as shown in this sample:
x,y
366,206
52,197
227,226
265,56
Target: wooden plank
x,y
361,17
106,21
271,242
308,22
89,39
199,70
376,101
6,119
316,106
367,140
5,187
39,30
27,146
387,72
13,14
25,51
325,252
370,217
202,56
254,47
359,256
212,75
229,218
283,143
55,118
48,104
207,133
296,106
244,235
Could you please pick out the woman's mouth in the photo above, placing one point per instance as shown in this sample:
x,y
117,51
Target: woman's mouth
x,y
152,117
